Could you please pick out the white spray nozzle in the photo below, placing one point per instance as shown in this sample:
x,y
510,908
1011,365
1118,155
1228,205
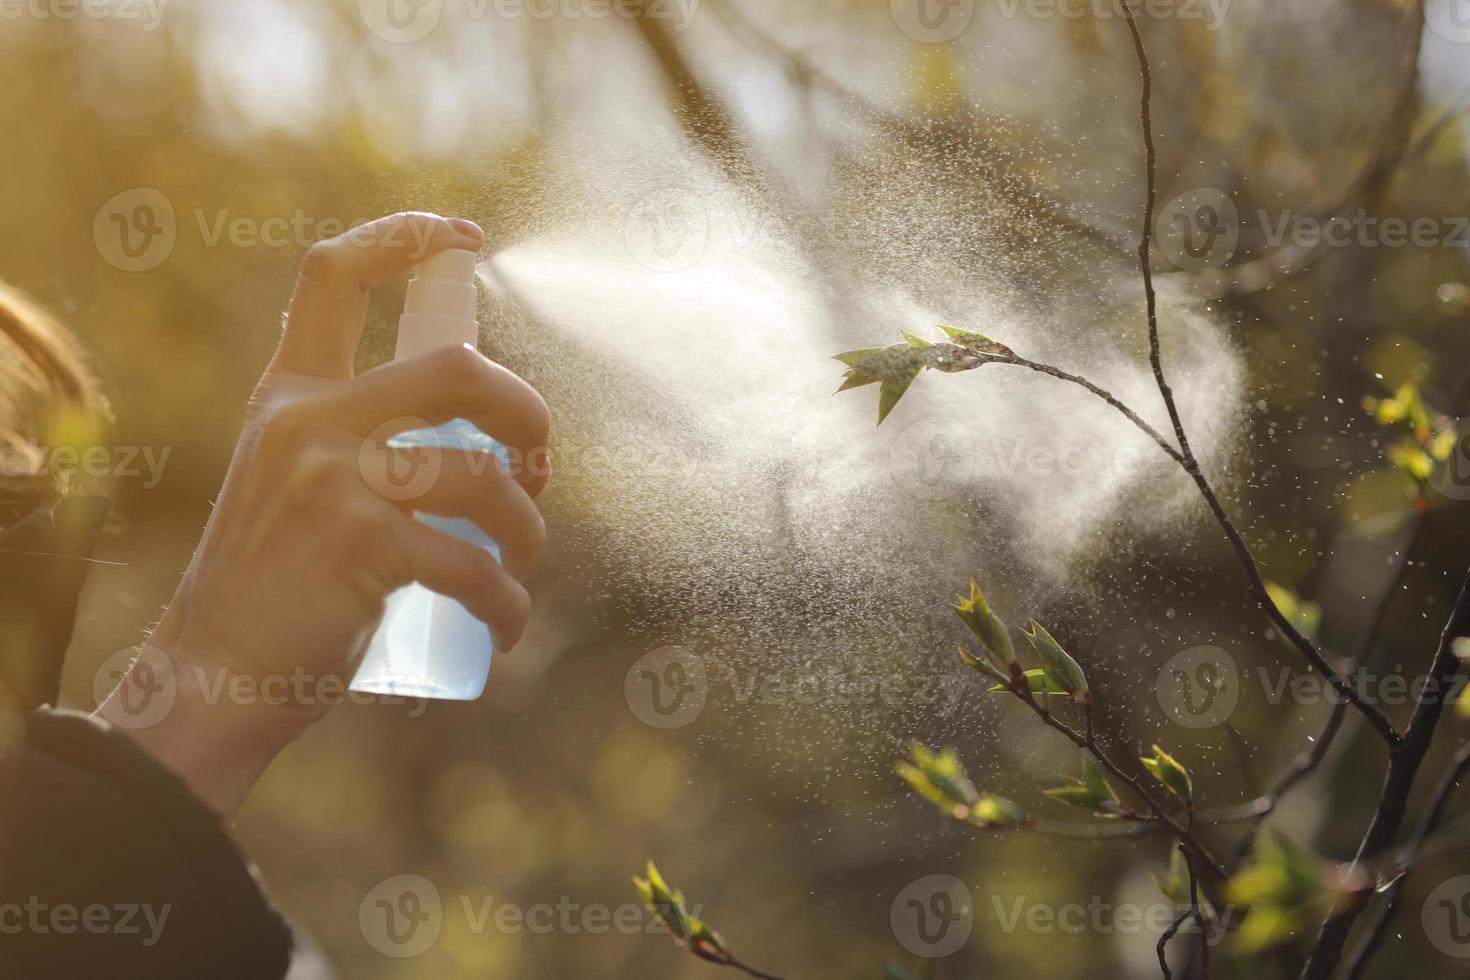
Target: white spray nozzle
x,y
440,309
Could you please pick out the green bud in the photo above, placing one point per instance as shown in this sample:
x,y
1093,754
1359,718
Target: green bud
x,y
1167,770
1091,792
976,614
1062,668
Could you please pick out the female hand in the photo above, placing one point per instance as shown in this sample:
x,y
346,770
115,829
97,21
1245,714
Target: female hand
x,y
301,551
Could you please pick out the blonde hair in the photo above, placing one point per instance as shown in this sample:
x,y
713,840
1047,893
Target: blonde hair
x,y
47,396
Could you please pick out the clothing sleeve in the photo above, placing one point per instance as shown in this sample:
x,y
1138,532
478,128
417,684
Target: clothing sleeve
x,y
110,868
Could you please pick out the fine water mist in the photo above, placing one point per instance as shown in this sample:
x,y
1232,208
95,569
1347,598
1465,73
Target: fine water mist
x,y
683,332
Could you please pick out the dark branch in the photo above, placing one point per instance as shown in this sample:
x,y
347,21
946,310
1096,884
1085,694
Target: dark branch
x,y
1438,803
1339,683
1403,766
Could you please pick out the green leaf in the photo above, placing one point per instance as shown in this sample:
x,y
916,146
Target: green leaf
x,y
891,392
976,342
976,614
1175,884
1167,770
1040,682
896,366
983,666
1062,668
853,358
1091,792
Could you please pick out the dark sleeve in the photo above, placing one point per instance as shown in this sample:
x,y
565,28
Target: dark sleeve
x,y
110,868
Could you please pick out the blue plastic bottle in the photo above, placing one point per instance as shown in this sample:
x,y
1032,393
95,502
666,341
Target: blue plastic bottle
x,y
429,645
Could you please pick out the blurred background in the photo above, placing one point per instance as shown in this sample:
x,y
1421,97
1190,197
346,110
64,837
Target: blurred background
x,y
691,205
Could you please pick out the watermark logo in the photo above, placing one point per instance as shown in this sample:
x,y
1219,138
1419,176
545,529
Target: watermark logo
x,y
401,916
667,688
1199,229
39,918
1452,476
667,230
401,459
1446,917
933,916
1199,687
1211,12
149,13
135,230
932,21
1450,19
932,455
148,697
401,21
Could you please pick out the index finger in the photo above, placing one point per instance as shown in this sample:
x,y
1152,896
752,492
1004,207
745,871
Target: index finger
x,y
329,303
442,385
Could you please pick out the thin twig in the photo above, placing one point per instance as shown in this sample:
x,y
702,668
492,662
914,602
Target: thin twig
x,y
1307,762
1090,743
1193,912
1187,458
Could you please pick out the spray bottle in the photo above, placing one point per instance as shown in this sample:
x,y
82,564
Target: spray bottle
x,y
429,645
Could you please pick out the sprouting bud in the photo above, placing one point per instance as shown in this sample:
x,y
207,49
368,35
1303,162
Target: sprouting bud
x,y
976,614
1061,667
1090,792
667,906
1167,770
941,779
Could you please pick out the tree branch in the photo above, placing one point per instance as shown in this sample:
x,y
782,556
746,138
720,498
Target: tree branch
x,y
1307,762
1191,465
1403,766
1438,803
1089,742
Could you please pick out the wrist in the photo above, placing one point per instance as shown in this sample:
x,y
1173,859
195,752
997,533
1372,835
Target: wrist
x,y
199,720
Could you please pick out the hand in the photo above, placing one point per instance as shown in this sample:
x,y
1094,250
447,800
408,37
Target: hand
x,y
300,553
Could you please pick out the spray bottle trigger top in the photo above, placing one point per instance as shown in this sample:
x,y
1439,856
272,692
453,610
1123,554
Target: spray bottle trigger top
x,y
440,309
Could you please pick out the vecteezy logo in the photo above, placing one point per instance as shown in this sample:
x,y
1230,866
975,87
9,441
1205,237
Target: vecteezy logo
x,y
933,916
401,21
932,455
135,230
932,21
401,459
401,916
1199,229
151,687
1452,475
667,231
1450,19
1199,687
666,688
1446,917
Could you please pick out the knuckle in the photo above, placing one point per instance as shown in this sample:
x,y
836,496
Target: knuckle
x,y
323,260
462,367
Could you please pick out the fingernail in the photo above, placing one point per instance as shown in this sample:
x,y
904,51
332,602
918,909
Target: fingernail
x,y
468,229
